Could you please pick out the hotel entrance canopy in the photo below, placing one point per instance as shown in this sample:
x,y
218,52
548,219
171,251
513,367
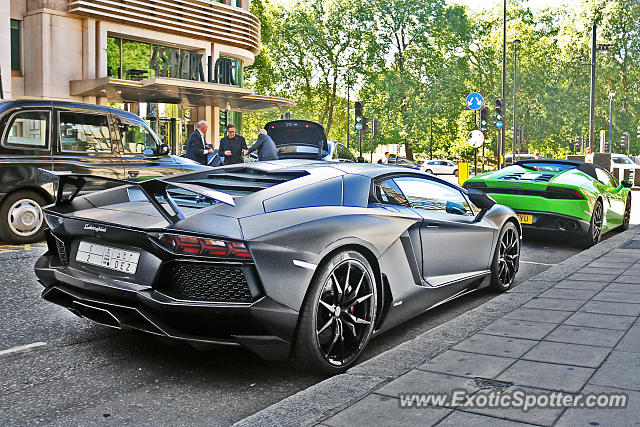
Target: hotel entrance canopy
x,y
178,91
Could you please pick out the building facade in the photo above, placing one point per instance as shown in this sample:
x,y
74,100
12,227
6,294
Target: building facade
x,y
173,62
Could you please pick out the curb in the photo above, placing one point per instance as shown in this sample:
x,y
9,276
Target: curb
x,y
322,400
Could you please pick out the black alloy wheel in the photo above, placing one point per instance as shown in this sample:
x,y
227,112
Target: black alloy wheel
x,y
506,260
594,234
338,315
627,214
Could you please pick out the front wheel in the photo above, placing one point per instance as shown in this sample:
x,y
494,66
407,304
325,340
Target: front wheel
x,y
21,217
595,227
506,260
338,315
627,214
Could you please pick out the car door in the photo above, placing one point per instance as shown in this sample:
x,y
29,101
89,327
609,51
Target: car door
x,y
26,147
613,197
455,244
84,145
140,151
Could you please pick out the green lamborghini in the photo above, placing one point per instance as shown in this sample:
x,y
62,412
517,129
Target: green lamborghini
x,y
577,198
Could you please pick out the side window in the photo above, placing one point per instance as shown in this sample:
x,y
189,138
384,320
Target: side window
x,y
345,154
433,196
84,132
605,178
389,193
28,129
135,137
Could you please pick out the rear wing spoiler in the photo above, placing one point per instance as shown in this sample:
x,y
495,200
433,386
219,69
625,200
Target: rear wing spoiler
x,y
152,189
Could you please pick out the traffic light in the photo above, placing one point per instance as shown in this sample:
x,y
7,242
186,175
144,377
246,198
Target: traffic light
x,y
365,123
358,115
638,131
623,140
484,119
163,129
499,113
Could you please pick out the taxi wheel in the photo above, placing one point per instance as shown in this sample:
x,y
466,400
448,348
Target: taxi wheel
x,y
455,172
21,218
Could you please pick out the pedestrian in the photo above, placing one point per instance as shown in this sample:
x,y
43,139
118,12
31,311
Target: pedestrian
x,y
385,160
197,147
266,147
233,147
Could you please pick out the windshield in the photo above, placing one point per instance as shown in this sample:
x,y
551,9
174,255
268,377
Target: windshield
x,y
548,167
622,160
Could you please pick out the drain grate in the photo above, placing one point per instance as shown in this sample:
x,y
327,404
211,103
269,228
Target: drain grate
x,y
631,244
486,383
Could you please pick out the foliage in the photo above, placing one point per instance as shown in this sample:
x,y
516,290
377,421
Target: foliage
x,y
410,61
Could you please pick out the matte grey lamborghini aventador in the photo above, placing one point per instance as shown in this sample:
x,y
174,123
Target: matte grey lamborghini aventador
x,y
287,258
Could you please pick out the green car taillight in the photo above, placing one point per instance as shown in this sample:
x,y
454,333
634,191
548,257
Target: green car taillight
x,y
563,193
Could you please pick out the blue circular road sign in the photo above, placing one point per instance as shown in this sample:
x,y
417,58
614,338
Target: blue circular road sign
x,y
499,124
358,126
474,101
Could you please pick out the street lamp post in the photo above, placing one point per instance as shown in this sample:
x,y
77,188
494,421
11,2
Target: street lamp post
x,y
504,79
515,80
431,124
611,95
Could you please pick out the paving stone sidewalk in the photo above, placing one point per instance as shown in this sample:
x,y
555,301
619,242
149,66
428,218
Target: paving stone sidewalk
x,y
571,329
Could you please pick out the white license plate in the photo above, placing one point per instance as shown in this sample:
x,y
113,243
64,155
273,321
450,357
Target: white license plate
x,y
108,257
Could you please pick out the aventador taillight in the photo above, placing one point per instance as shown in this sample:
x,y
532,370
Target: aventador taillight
x,y
190,245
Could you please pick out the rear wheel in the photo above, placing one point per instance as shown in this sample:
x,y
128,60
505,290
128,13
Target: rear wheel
x,y
21,217
455,172
506,260
338,315
595,227
627,214
429,171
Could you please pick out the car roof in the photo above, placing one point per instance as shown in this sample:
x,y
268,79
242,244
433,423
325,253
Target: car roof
x,y
9,103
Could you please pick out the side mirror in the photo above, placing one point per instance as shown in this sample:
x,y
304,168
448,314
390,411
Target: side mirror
x,y
455,208
626,184
149,152
480,199
163,149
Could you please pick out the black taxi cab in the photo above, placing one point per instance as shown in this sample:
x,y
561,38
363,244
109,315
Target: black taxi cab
x,y
66,136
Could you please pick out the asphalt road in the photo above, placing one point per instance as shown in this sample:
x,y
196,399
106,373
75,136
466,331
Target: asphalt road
x,y
82,373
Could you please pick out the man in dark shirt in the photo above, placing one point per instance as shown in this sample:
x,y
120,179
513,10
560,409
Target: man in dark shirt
x,y
233,147
266,147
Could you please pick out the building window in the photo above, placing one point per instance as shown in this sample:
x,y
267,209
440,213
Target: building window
x,y
228,71
137,60
15,47
114,57
238,3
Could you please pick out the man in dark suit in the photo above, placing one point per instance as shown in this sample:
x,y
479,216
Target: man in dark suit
x,y
197,147
233,147
266,147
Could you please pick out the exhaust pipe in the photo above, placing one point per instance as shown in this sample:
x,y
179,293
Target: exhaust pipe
x,y
98,315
